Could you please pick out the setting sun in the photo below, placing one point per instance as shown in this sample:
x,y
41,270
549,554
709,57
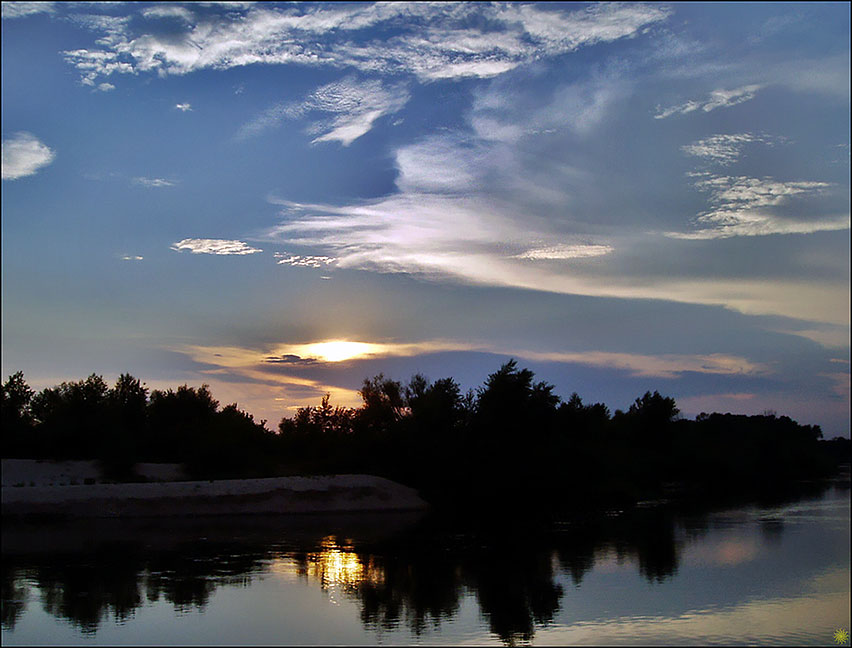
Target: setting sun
x,y
338,350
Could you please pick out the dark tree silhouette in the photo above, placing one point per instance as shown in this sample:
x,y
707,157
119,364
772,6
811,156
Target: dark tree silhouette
x,y
15,399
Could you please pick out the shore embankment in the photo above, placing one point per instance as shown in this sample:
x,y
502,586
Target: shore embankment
x,y
69,496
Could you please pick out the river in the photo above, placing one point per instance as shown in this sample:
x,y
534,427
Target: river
x,y
770,573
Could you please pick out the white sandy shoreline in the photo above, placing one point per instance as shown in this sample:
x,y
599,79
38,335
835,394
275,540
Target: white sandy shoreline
x,y
274,495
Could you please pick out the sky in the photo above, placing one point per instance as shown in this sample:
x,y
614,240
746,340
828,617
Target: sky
x,y
282,199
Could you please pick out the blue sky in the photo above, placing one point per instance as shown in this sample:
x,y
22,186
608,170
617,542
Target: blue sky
x,y
624,197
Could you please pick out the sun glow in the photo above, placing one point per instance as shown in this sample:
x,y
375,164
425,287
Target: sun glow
x,y
338,350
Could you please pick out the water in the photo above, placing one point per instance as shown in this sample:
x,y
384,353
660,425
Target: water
x,y
757,574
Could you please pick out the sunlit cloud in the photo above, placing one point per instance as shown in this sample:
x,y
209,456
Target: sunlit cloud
x,y
332,351
716,99
154,182
292,367
183,107
105,87
355,104
24,155
131,257
215,246
323,351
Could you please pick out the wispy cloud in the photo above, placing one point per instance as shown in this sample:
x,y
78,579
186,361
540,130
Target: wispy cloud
x,y
716,99
744,206
355,104
105,87
215,246
430,41
153,182
657,366
23,155
503,114
131,257
183,107
22,9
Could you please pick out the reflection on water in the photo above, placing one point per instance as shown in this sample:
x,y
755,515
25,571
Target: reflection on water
x,y
776,573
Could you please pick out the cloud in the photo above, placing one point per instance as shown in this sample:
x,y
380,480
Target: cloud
x,y
214,246
105,87
743,206
154,182
131,257
716,99
184,107
355,104
300,261
427,40
24,155
22,9
474,212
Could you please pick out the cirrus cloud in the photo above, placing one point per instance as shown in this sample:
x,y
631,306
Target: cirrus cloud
x,y
427,40
716,99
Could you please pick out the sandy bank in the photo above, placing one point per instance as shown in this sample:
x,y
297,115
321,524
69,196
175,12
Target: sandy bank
x,y
32,472
270,496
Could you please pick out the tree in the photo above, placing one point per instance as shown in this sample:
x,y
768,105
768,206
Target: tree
x,y
176,422
127,402
510,404
384,403
17,422
72,418
650,417
437,407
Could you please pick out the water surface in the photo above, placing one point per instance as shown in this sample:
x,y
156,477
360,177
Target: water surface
x,y
757,574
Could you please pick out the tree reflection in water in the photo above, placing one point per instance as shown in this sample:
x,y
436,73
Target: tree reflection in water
x,y
415,579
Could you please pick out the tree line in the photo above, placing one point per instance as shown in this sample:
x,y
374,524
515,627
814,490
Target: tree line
x,y
510,442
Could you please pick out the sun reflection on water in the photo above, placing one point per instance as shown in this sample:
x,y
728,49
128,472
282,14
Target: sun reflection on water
x,y
335,566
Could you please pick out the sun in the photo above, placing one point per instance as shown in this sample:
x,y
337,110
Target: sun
x,y
338,350
841,636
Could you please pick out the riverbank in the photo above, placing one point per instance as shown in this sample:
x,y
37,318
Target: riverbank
x,y
60,489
